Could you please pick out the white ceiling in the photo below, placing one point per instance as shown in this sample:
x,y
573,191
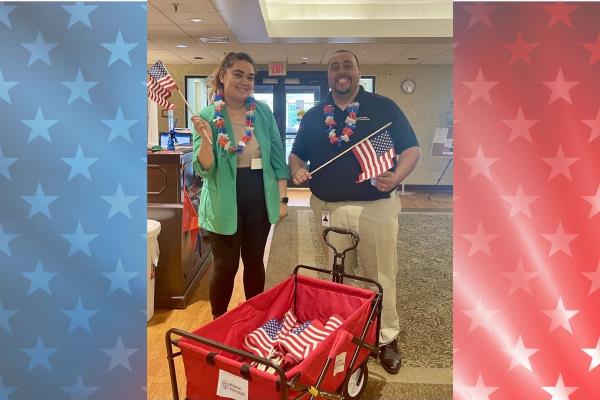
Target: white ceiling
x,y
383,31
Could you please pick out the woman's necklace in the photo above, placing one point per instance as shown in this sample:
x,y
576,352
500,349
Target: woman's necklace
x,y
219,120
350,123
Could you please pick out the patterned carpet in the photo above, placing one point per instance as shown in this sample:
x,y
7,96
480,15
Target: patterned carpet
x,y
424,298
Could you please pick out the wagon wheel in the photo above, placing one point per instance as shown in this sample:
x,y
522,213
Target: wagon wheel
x,y
356,382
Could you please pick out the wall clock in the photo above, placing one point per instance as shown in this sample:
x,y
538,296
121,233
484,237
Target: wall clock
x,y
408,86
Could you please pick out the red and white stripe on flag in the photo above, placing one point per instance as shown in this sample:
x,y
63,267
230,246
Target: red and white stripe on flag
x,y
159,94
375,155
160,85
527,201
300,344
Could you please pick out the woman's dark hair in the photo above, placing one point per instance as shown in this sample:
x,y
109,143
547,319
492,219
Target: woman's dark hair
x,y
214,83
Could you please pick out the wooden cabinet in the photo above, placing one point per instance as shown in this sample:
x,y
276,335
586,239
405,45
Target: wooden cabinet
x,y
181,263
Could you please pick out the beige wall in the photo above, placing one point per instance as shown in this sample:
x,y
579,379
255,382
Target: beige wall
x,y
430,105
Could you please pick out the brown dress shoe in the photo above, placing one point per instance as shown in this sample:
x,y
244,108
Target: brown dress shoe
x,y
390,357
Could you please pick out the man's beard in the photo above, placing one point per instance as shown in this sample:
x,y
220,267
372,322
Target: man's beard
x,y
343,92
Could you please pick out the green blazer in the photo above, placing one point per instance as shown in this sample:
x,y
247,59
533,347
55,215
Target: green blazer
x,y
218,204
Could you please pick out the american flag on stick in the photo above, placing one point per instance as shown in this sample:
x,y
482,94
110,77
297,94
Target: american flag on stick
x,y
306,337
375,155
160,85
261,340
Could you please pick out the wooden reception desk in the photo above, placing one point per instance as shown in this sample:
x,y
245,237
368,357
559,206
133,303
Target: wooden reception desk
x,y
181,264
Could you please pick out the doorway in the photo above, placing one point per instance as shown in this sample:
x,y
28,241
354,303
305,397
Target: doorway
x,y
290,97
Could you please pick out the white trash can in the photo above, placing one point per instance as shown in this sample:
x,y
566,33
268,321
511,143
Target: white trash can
x,y
152,261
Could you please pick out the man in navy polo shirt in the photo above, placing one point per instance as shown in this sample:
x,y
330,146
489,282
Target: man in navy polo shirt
x,y
371,207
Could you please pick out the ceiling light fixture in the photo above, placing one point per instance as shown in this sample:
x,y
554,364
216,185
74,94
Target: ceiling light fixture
x,y
181,46
305,58
196,20
413,58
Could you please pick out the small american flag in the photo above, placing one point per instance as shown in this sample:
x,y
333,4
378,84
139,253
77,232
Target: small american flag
x,y
261,340
160,85
305,338
375,155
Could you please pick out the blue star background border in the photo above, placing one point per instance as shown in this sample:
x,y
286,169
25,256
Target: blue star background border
x,y
73,184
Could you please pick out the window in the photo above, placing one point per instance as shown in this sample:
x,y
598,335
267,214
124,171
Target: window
x,y
196,96
368,82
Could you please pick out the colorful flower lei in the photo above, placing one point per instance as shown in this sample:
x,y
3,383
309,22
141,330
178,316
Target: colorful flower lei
x,y
350,123
219,121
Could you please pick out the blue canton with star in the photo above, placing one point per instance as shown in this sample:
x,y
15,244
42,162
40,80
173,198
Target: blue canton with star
x,y
73,222
382,143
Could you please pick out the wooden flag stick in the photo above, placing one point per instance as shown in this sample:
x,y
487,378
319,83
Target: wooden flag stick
x,y
188,105
350,148
192,113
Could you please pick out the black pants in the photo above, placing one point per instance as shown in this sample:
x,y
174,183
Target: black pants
x,y
249,240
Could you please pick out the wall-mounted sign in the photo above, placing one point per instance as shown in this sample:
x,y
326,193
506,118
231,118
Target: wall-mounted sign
x,y
443,142
277,69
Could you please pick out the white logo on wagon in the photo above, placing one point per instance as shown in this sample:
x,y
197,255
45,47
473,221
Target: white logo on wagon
x,y
232,386
340,361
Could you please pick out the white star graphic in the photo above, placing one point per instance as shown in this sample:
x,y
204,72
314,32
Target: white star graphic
x,y
594,123
560,164
480,88
480,241
560,240
480,391
594,200
519,202
520,279
479,13
480,164
519,355
560,316
595,354
595,278
480,316
560,88
520,126
560,391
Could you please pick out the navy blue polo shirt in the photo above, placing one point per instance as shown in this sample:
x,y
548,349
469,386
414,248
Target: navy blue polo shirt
x,y
337,181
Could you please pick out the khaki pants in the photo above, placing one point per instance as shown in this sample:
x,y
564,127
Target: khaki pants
x,y
376,222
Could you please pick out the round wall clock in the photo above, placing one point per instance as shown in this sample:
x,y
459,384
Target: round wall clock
x,y
408,86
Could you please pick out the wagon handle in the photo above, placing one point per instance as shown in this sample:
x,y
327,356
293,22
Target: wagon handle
x,y
338,258
341,231
208,342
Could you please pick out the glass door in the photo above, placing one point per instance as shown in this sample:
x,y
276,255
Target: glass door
x,y
290,97
298,100
264,93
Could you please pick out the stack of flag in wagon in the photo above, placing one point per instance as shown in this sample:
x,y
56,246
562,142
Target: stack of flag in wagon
x,y
287,342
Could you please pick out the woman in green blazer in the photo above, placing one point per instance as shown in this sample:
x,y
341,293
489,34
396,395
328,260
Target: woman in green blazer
x,y
239,154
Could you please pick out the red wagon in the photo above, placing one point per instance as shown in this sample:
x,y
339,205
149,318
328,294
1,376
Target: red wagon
x,y
215,366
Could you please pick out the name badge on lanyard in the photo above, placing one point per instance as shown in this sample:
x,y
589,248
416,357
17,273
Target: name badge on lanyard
x,y
256,163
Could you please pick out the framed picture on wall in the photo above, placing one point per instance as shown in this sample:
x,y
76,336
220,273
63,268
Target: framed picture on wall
x,y
368,82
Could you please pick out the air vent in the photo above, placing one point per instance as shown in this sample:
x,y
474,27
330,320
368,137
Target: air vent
x,y
215,39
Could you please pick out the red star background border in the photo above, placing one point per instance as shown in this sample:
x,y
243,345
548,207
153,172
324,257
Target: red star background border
x,y
527,201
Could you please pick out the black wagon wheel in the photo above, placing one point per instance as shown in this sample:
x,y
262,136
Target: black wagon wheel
x,y
355,383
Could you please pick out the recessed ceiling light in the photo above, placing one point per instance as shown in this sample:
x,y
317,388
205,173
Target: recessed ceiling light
x,y
196,20
413,58
199,58
305,58
181,46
